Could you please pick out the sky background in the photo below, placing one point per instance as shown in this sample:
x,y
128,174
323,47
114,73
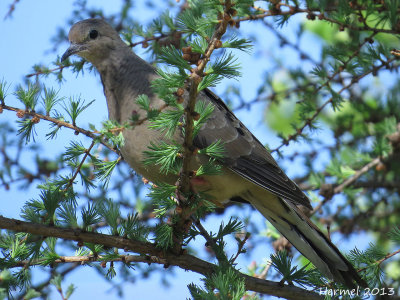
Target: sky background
x,y
26,39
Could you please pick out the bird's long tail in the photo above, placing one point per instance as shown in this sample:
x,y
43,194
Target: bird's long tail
x,y
308,239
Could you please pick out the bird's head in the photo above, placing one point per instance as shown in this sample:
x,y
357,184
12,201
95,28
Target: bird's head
x,y
92,39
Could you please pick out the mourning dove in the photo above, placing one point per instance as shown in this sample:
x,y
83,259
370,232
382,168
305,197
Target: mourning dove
x,y
249,172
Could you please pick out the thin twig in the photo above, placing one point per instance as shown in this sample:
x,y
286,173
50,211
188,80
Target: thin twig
x,y
204,232
348,182
292,10
11,9
265,271
59,68
61,124
241,244
310,120
380,261
87,152
222,259
44,284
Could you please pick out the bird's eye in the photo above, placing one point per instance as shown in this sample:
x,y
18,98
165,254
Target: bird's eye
x,y
93,34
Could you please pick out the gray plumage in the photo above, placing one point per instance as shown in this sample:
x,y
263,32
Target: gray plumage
x,y
249,172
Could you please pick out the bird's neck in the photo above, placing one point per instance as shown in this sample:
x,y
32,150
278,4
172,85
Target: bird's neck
x,y
125,76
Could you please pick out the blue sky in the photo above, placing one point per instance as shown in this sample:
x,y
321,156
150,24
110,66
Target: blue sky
x,y
26,40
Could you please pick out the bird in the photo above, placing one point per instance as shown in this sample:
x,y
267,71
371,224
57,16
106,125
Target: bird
x,y
249,173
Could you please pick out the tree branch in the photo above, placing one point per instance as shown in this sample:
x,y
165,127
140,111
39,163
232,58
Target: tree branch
x,y
310,120
184,261
348,182
291,10
195,79
59,123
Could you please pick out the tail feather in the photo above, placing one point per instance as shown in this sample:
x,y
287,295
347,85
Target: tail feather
x,y
308,239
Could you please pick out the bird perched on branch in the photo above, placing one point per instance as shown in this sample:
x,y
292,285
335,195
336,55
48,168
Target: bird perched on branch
x,y
249,172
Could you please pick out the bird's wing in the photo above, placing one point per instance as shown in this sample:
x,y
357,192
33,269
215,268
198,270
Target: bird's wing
x,y
244,154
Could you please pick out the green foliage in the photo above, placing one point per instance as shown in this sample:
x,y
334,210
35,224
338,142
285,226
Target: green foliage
x,y
199,18
28,97
108,130
133,229
67,215
53,134
111,273
283,265
173,57
168,80
110,212
218,244
27,130
75,150
3,90
90,216
31,294
337,107
144,103
168,121
238,43
368,259
75,107
163,195
210,168
104,169
394,234
56,281
50,99
43,210
167,157
164,236
215,150
232,226
223,284
204,110
224,66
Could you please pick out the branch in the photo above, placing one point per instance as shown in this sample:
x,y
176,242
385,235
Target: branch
x,y
87,153
44,284
195,79
310,120
93,258
357,175
48,71
59,123
185,261
348,182
285,41
380,261
11,9
292,10
373,184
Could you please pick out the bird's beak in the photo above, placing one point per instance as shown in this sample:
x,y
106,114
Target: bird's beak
x,y
73,49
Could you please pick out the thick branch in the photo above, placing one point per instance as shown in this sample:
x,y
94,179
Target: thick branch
x,y
94,258
185,261
195,79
